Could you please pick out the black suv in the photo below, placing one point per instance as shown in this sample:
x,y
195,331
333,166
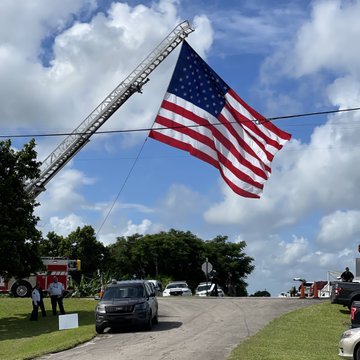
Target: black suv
x,y
126,303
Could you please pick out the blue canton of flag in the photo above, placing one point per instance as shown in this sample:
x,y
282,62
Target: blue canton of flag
x,y
194,81
202,115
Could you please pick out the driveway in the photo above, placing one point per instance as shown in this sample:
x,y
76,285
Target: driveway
x,y
189,328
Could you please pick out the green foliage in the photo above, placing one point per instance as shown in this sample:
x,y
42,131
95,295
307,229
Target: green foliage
x,y
79,244
229,258
178,255
263,293
90,251
19,238
91,286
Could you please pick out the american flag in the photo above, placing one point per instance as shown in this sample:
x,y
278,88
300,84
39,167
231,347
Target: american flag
x,y
202,115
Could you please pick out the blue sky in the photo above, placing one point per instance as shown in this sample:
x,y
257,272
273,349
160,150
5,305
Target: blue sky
x,y
60,59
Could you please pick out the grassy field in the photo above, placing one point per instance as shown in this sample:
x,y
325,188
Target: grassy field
x,y
309,333
24,339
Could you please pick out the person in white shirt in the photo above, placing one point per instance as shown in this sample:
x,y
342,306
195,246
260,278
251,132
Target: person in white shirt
x,y
35,296
56,291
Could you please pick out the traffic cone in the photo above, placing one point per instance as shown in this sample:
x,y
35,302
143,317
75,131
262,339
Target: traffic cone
x,y
302,291
102,291
315,289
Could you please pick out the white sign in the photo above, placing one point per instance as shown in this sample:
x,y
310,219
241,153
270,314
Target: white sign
x,y
68,321
209,267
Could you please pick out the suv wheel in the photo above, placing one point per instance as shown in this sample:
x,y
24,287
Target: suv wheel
x,y
99,329
148,325
155,320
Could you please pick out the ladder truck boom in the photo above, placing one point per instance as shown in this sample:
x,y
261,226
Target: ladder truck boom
x,y
74,142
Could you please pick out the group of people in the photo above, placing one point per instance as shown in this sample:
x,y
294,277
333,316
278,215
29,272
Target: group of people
x,y
56,292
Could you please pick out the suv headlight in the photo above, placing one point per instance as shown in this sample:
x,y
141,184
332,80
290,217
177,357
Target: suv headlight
x,y
141,306
101,309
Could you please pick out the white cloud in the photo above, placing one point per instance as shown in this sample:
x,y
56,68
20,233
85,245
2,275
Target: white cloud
x,y
63,193
65,225
327,40
340,229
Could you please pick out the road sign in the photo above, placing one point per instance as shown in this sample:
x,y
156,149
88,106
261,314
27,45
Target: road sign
x,y
206,266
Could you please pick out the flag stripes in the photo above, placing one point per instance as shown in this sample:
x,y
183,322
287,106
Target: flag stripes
x,y
214,124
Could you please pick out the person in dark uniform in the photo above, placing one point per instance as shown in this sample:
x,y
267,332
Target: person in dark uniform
x,y
35,297
347,275
41,302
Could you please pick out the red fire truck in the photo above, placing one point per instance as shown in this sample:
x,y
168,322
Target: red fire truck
x,y
54,266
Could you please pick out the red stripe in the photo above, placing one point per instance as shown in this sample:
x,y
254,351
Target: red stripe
x,y
204,139
198,153
268,124
202,156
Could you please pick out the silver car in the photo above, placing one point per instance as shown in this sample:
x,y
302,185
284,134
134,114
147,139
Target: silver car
x,y
349,345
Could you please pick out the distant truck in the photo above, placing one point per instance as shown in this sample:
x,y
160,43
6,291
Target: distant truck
x,y
345,293
53,266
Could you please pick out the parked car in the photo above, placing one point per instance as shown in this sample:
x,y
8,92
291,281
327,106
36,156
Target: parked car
x,y
177,288
131,302
349,345
206,289
158,287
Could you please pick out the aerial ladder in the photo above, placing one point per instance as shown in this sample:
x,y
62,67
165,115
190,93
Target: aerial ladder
x,y
74,142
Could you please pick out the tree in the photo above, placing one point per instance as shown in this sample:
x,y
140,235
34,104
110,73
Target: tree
x,y
19,238
52,245
87,248
178,255
229,258
263,293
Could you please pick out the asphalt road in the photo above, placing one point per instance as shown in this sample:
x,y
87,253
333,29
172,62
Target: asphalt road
x,y
189,328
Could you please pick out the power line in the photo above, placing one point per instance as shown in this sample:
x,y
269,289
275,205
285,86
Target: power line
x,y
284,117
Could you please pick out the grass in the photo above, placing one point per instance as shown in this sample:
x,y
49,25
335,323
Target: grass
x,y
309,333
23,339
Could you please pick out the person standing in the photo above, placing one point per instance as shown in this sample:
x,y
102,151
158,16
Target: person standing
x,y
56,291
230,285
41,303
35,296
347,275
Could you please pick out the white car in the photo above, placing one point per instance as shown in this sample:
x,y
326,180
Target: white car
x,y
205,289
349,345
177,288
158,287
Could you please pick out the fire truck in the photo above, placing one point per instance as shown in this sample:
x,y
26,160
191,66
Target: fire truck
x,y
53,266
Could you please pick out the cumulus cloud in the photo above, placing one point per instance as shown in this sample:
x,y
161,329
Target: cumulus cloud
x,y
65,225
340,229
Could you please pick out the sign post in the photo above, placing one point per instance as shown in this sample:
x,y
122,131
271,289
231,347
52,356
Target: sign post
x,y
206,267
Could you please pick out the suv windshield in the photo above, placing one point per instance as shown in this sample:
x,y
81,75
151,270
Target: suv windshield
x,y
126,291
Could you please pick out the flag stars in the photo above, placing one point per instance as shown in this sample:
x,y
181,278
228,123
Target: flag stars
x,y
197,82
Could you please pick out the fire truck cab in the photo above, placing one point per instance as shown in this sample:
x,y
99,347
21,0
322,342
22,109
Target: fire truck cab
x,y
54,266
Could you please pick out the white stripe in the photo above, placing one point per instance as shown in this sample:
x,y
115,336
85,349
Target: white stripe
x,y
248,139
239,108
185,139
183,121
